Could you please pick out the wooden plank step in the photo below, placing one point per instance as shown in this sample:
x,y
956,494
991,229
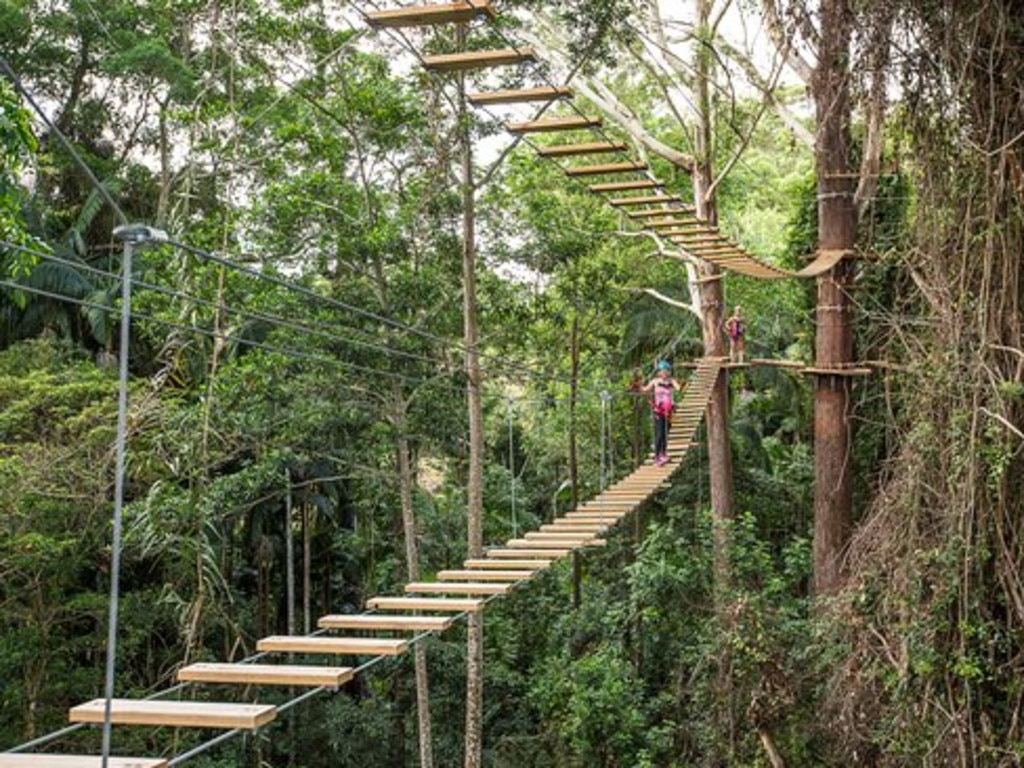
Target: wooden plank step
x,y
620,202
531,564
569,527
650,213
424,15
457,588
459,62
585,148
36,760
557,544
519,95
374,622
266,674
668,234
485,575
338,646
514,553
561,543
183,714
679,226
454,604
548,124
605,520
624,186
599,170
572,536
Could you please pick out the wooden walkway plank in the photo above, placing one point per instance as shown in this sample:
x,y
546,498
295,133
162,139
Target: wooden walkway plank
x,y
605,168
624,186
530,564
622,202
38,760
266,674
549,124
514,553
584,148
373,622
425,15
451,604
460,62
458,588
509,575
519,96
183,714
338,646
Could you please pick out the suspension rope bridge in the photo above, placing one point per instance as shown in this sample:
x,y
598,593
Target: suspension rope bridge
x,y
428,607
425,608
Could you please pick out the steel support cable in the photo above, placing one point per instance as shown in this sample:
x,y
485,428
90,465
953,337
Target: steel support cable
x,y
122,218
286,351
312,693
274,319
344,306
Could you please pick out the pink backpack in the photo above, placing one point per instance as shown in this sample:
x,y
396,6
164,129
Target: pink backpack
x,y
663,398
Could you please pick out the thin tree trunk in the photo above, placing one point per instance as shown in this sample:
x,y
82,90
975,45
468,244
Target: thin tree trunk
x,y
475,500
837,230
307,570
574,386
712,301
412,561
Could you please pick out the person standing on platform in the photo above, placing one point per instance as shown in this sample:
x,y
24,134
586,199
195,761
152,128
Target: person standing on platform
x,y
663,387
736,328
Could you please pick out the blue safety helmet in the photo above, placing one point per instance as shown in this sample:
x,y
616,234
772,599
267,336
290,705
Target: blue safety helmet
x,y
663,365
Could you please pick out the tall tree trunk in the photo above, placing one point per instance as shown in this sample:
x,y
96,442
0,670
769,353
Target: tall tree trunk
x,y
837,230
574,388
412,561
475,496
712,296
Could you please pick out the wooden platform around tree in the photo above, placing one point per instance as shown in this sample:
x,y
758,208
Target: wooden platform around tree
x,y
266,674
546,93
549,124
458,62
585,148
184,714
812,371
337,646
458,588
372,622
777,363
449,604
37,760
425,15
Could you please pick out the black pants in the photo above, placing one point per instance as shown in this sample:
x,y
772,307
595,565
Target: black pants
x,y
660,434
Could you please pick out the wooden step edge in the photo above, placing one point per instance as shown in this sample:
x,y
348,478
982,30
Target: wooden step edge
x,y
339,646
48,760
185,714
458,588
373,622
266,674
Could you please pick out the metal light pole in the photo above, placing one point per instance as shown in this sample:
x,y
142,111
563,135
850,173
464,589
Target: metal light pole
x,y
131,235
